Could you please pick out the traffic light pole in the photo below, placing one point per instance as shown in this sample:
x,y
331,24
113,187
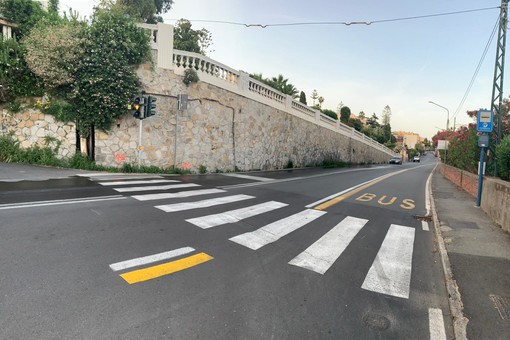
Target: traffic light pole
x,y
140,147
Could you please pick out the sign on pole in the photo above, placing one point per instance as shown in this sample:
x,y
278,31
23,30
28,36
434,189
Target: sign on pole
x,y
485,119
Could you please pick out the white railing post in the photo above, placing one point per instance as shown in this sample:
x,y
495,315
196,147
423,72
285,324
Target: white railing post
x,y
317,115
244,81
288,101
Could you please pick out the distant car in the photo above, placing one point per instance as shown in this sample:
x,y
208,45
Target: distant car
x,y
416,159
395,160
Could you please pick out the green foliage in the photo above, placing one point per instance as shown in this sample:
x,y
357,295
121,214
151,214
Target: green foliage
x,y
290,164
330,113
53,51
332,163
11,151
463,151
345,114
202,169
25,13
105,76
302,98
190,76
14,106
58,108
188,39
16,79
503,157
145,10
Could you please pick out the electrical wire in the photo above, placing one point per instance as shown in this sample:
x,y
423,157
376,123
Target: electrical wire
x,y
346,23
473,78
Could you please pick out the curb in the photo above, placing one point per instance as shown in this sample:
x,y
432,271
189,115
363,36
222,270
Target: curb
x,y
454,299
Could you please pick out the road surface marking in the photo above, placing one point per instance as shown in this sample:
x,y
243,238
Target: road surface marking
x,y
151,181
151,258
321,255
149,273
255,178
181,194
340,196
60,202
112,176
436,324
156,187
203,204
234,216
390,272
276,230
425,225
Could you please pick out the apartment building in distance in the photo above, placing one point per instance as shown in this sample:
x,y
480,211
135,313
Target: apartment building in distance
x,y
410,139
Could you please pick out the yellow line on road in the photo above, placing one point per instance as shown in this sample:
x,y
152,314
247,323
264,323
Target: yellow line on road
x,y
340,198
165,268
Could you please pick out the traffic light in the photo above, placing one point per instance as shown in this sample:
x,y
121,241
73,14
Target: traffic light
x,y
150,107
137,107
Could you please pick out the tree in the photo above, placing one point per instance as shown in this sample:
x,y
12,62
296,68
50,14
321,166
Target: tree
x,y
361,115
302,98
373,121
188,39
290,90
321,100
386,115
105,78
53,51
314,96
345,114
145,10
25,13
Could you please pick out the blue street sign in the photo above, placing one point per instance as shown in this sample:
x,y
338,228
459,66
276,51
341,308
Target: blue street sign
x,y
484,121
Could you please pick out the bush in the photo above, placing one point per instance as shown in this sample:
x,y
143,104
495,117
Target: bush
x,y
330,163
503,158
202,169
290,164
190,76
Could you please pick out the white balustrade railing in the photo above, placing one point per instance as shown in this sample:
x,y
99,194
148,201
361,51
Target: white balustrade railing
x,y
245,85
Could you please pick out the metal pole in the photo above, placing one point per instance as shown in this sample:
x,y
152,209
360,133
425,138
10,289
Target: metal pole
x,y
140,144
175,139
480,177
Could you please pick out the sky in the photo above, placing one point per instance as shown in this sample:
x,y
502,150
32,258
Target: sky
x,y
403,64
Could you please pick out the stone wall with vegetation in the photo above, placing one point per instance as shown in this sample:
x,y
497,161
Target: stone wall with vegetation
x,y
222,131
31,127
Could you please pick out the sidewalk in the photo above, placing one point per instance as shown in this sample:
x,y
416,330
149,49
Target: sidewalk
x,y
479,257
15,172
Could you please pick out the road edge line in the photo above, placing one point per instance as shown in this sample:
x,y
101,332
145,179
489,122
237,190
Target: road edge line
x,y
454,298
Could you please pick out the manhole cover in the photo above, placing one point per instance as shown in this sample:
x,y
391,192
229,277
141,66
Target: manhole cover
x,y
376,321
502,304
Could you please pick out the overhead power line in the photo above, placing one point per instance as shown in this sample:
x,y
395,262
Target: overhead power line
x,y
482,58
346,23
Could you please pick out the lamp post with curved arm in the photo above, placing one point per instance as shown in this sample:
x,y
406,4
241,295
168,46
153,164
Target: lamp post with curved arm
x,y
447,113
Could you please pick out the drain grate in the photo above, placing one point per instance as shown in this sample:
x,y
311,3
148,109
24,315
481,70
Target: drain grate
x,y
502,304
426,218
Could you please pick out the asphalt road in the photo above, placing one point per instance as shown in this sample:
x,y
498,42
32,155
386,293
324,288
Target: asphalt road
x,y
299,254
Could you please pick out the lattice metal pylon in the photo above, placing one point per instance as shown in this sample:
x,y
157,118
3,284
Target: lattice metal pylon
x,y
497,88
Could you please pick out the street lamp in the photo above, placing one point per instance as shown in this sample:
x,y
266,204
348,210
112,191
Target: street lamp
x,y
447,113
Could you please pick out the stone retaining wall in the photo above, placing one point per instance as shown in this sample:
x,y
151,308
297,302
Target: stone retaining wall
x,y
222,131
31,127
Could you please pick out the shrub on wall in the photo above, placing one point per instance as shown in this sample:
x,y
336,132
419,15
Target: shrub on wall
x,y
503,156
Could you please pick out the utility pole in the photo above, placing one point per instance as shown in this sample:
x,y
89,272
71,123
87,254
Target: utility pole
x,y
497,88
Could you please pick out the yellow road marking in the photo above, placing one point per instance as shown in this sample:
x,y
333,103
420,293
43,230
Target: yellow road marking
x,y
165,268
340,198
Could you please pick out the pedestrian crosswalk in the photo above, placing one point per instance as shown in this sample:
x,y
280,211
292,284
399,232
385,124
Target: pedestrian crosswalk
x,y
389,274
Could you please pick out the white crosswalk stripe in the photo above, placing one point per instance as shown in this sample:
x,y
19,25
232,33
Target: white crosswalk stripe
x,y
274,231
390,272
180,194
234,216
203,204
321,255
151,181
157,187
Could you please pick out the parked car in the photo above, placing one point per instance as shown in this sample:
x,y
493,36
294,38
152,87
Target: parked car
x,y
396,160
416,159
